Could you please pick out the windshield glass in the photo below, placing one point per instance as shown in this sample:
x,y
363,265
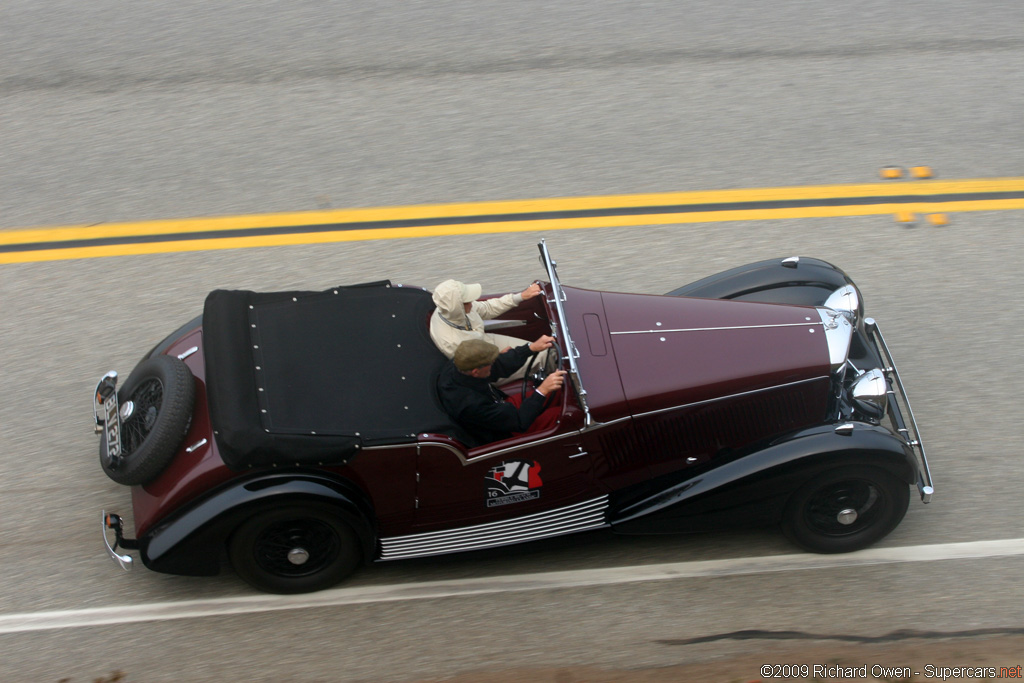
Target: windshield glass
x,y
560,328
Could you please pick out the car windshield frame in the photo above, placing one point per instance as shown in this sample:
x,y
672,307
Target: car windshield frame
x,y
560,328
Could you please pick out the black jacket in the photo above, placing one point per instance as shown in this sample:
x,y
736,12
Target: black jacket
x,y
482,409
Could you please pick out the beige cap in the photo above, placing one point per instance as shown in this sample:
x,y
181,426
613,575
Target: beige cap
x,y
474,353
471,292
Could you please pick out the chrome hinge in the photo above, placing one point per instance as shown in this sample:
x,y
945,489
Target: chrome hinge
x,y
197,445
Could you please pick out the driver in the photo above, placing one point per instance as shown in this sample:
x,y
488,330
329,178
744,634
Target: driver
x,y
460,316
483,410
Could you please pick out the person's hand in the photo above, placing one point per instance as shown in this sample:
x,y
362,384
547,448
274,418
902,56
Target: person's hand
x,y
543,342
531,291
507,348
552,383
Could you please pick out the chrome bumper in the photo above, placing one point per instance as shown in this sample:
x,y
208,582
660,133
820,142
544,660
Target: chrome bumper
x,y
112,521
898,406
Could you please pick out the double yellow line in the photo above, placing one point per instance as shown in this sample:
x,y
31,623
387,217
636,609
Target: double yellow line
x,y
573,213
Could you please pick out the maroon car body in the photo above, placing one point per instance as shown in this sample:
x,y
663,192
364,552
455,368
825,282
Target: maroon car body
x,y
683,413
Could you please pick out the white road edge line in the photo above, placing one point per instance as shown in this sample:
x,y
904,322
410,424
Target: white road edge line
x,y
191,609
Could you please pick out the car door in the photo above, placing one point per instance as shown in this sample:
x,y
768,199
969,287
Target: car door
x,y
508,479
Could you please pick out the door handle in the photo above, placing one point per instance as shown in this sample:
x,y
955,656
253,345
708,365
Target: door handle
x,y
580,454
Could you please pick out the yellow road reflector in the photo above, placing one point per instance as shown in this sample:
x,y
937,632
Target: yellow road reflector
x,y
891,172
938,219
921,172
906,217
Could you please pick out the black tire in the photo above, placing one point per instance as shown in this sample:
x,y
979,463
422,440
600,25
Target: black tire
x,y
162,391
812,515
294,549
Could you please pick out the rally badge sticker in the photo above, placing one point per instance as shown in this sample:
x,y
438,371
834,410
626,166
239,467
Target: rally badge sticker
x,y
513,481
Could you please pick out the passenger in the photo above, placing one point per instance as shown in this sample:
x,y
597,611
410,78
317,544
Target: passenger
x,y
483,410
459,316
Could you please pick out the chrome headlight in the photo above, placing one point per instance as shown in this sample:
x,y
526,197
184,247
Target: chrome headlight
x,y
845,300
870,393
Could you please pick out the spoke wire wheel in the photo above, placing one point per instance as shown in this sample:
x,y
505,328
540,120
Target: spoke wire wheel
x,y
146,400
845,509
294,549
161,392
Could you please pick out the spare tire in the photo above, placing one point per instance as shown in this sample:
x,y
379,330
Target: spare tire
x,y
161,390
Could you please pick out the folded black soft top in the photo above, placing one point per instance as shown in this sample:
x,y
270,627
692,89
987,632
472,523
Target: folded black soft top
x,y
312,377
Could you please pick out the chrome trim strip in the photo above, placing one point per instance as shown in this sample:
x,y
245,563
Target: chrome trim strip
x,y
399,555
730,396
560,521
912,436
716,329
496,536
537,517
185,354
531,444
462,454
458,452
609,423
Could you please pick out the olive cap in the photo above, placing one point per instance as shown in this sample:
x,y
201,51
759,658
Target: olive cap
x,y
474,353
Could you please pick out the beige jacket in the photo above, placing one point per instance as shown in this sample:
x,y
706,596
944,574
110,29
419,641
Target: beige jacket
x,y
450,325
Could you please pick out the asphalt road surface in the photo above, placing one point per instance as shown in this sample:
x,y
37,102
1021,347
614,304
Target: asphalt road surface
x,y
147,110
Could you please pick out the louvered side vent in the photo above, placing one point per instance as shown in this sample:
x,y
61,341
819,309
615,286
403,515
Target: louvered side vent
x,y
705,430
620,447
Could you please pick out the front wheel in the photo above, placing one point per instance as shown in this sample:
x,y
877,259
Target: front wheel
x,y
845,509
294,549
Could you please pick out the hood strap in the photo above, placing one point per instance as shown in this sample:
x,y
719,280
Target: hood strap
x,y
449,323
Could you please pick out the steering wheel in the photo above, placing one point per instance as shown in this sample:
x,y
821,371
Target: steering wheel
x,y
529,376
536,375
553,360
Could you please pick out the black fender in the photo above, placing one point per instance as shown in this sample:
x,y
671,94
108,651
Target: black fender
x,y
752,489
797,281
192,540
802,281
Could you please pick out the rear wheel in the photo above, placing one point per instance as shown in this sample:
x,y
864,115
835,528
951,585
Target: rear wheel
x,y
156,409
845,509
294,549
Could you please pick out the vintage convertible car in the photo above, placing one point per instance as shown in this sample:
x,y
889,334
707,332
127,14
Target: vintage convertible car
x,y
301,432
